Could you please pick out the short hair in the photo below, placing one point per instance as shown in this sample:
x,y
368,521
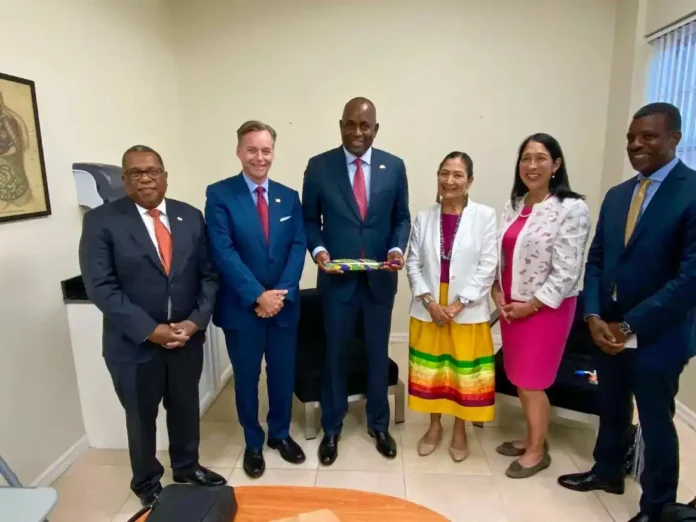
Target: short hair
x,y
141,148
254,126
671,113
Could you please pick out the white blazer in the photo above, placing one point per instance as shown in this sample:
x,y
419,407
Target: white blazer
x,y
472,264
550,250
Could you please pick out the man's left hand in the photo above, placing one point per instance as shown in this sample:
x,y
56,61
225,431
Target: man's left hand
x,y
395,261
621,337
187,328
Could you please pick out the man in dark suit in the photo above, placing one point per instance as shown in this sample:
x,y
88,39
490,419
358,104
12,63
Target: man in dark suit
x,y
145,265
259,246
640,300
355,205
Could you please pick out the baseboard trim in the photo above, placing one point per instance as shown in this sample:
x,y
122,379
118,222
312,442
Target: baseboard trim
x,y
403,338
60,466
686,414
226,376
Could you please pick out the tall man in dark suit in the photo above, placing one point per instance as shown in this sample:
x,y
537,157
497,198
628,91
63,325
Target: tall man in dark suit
x,y
355,205
640,300
145,265
259,246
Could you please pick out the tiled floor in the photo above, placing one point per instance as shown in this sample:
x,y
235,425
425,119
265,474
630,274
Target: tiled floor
x,y
95,489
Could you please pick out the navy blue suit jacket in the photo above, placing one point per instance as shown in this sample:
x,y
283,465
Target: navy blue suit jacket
x,y
247,263
124,277
655,274
332,218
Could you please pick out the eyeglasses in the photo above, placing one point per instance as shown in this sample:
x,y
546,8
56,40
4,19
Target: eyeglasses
x,y
137,174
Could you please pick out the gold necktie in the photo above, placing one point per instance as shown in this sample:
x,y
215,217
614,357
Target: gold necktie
x,y
634,211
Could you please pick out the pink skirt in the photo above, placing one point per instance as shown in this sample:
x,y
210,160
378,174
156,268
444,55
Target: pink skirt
x,y
533,346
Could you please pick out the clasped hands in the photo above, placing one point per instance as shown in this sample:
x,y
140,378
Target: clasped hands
x,y
173,335
511,311
607,336
444,314
270,303
395,262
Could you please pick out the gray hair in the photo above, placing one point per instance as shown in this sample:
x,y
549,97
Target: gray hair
x,y
141,148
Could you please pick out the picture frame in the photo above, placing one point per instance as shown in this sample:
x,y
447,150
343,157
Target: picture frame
x,y
23,185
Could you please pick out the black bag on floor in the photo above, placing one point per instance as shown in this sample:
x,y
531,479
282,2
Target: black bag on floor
x,y
678,513
184,503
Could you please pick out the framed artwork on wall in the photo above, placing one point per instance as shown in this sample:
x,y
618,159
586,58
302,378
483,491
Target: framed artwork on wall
x,y
23,187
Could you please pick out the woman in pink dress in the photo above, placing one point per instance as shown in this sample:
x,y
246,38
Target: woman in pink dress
x,y
541,244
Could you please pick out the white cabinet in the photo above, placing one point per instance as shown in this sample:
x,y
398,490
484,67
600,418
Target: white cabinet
x,y
104,419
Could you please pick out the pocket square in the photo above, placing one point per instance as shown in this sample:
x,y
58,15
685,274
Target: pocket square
x,y
285,218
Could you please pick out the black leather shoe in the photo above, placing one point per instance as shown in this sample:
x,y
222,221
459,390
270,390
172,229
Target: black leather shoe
x,y
328,449
254,465
590,482
641,517
200,477
289,450
147,499
386,444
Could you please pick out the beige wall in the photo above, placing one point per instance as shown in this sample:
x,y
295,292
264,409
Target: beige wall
x,y
663,13
104,76
444,76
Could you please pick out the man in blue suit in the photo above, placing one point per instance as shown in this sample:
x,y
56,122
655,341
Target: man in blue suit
x,y
258,244
640,300
355,205
145,264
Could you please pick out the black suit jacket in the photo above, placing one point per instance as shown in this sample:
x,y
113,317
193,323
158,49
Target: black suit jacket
x,y
124,277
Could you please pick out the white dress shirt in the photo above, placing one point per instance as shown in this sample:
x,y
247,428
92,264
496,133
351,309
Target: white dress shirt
x,y
150,226
366,160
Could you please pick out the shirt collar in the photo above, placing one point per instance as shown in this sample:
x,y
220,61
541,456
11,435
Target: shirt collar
x,y
252,185
365,158
162,207
660,174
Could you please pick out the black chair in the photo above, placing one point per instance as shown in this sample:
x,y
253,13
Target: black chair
x,y
309,365
571,392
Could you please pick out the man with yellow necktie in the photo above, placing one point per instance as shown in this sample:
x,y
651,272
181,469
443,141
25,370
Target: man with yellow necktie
x,y
640,304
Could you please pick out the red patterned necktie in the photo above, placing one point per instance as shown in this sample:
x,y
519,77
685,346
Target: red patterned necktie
x,y
359,188
262,207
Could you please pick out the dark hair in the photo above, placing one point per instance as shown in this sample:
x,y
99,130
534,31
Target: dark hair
x,y
559,186
670,112
468,163
141,148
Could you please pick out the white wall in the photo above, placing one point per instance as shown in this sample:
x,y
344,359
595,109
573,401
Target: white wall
x,y
445,75
104,76
663,13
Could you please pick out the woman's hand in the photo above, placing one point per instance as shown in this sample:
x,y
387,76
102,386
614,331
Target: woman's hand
x,y
438,313
518,310
454,309
499,300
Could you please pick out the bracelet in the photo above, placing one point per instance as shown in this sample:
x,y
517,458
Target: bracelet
x,y
427,299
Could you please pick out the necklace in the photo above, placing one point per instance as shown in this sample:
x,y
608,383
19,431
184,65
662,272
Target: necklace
x,y
446,256
532,209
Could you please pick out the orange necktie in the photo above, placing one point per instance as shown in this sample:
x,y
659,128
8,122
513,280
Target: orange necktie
x,y
164,240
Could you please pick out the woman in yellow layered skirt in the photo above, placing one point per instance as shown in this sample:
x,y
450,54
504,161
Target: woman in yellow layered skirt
x,y
451,266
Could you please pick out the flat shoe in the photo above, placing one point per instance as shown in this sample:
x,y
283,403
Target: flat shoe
x,y
518,471
458,455
425,449
508,449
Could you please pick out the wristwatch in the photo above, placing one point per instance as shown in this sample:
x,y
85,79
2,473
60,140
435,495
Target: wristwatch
x,y
625,329
462,300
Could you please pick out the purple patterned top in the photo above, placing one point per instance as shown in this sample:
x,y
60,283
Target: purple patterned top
x,y
449,223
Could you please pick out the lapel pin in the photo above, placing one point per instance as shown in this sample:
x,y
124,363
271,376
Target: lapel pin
x,y
382,167
179,218
277,200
